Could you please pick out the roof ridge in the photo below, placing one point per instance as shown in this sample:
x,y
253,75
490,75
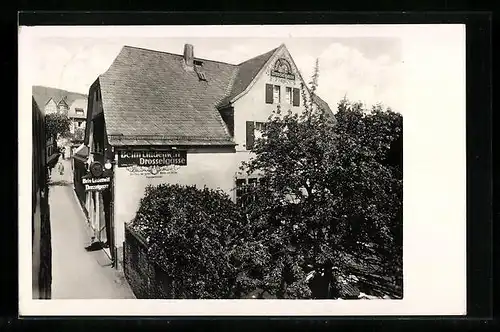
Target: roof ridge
x,y
179,55
262,54
231,82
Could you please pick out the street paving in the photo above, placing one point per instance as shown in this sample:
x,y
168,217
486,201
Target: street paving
x,y
76,273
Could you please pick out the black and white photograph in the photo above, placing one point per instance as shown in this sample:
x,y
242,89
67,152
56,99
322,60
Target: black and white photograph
x,y
259,165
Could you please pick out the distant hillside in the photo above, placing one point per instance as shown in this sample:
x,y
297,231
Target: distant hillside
x,y
42,95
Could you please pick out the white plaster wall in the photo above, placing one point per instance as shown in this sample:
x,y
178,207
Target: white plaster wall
x,y
252,106
214,170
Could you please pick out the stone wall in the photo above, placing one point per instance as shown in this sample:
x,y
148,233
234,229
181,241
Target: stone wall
x,y
146,279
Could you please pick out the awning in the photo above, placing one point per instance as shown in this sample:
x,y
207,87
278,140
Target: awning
x,y
81,153
52,160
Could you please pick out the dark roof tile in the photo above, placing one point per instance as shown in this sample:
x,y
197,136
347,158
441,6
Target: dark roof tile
x,y
150,94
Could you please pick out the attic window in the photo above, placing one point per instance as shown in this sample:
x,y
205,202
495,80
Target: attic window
x,y
198,63
201,76
79,110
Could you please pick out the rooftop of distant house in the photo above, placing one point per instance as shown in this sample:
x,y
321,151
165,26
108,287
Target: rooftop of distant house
x,y
44,94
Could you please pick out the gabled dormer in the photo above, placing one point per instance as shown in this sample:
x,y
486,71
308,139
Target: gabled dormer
x,y
50,106
62,105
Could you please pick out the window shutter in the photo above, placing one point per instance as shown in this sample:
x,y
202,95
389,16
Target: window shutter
x,y
269,93
250,135
296,97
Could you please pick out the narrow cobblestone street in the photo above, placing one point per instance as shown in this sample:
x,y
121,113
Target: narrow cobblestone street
x,y
76,273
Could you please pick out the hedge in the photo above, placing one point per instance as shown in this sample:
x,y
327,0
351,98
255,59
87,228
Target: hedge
x,y
193,234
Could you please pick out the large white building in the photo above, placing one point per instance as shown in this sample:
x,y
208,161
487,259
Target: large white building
x,y
199,116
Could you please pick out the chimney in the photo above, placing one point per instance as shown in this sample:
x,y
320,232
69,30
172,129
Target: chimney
x,y
188,55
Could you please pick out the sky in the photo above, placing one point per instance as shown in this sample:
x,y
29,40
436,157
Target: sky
x,y
366,69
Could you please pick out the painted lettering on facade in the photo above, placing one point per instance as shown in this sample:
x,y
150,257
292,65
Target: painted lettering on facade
x,y
152,171
151,158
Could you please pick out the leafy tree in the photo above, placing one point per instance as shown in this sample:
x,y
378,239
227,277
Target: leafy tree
x,y
329,204
79,134
57,125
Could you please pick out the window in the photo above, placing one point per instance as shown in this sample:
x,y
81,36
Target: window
x,y
259,128
79,123
98,148
79,111
276,94
296,97
201,75
254,131
273,94
242,189
289,95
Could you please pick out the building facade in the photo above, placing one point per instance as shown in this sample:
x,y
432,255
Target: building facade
x,y
78,114
173,118
40,226
51,107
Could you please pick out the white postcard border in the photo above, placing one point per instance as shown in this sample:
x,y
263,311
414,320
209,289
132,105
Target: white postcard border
x,y
434,178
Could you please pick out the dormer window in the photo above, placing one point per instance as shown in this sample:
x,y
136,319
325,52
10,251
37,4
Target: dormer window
x,y
201,75
198,63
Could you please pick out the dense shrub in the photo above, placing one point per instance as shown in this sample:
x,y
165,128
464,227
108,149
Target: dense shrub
x,y
193,234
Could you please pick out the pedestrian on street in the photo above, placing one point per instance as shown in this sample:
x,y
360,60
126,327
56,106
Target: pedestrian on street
x,y
60,168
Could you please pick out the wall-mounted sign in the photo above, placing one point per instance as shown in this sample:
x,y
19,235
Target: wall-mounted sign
x,y
151,158
282,69
96,183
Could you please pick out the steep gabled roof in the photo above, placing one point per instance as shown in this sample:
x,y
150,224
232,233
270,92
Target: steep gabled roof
x,y
245,74
324,105
34,104
149,97
43,94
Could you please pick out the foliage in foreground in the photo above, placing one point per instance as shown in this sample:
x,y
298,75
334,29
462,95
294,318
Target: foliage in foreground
x,y
193,235
329,209
331,206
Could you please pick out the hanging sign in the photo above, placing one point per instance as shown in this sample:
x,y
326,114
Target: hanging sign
x,y
282,69
147,158
96,180
96,184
